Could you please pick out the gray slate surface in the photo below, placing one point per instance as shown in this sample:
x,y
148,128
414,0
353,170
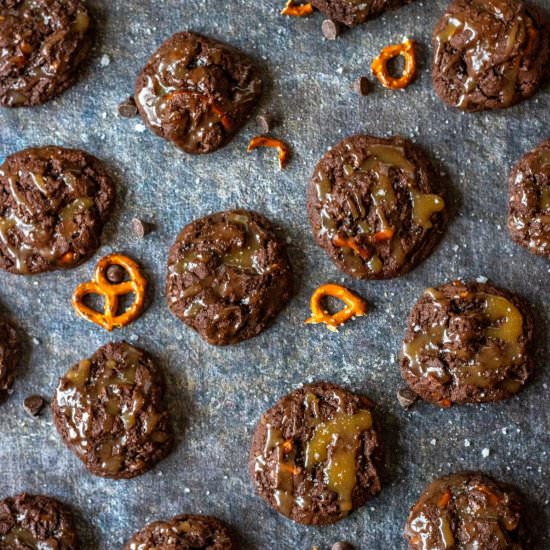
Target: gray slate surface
x,y
217,395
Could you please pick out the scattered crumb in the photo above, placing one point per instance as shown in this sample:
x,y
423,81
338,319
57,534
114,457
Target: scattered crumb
x,y
140,128
105,60
481,279
467,443
433,441
485,452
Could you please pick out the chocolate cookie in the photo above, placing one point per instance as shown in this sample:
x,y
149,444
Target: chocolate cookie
x,y
529,208
35,521
42,44
9,354
228,276
197,92
315,454
489,54
467,343
373,206
354,12
53,205
109,411
467,510
182,533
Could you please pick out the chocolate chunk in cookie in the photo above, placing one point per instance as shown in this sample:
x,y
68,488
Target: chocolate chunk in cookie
x,y
354,12
54,203
489,54
9,354
467,343
35,521
316,453
182,533
109,411
228,276
529,206
467,510
42,44
197,92
375,207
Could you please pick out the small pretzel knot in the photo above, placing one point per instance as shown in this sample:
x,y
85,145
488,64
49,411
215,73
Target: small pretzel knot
x,y
355,306
380,65
101,286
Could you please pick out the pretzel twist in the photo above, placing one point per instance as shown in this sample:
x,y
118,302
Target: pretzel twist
x,y
380,65
355,306
111,293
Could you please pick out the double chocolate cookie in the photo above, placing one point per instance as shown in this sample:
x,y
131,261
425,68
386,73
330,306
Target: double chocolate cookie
x,y
35,521
228,276
467,343
197,92
467,510
182,533
9,354
375,207
42,44
109,411
315,454
354,12
489,54
529,206
54,203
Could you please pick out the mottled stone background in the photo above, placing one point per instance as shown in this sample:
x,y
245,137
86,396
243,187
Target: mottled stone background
x,y
216,394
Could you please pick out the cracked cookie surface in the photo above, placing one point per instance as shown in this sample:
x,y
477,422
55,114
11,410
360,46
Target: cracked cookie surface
x,y
228,276
197,92
529,201
489,54
42,44
315,454
375,206
467,343
467,510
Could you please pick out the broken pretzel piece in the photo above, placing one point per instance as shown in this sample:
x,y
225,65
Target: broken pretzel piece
x,y
355,306
297,10
361,251
350,243
264,141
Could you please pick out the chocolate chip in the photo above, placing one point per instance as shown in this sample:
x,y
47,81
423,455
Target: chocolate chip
x,y
115,274
34,404
361,86
127,108
331,29
140,228
406,397
342,546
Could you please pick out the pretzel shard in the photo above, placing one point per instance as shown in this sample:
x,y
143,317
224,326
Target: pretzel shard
x,y
111,293
297,10
355,306
264,141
